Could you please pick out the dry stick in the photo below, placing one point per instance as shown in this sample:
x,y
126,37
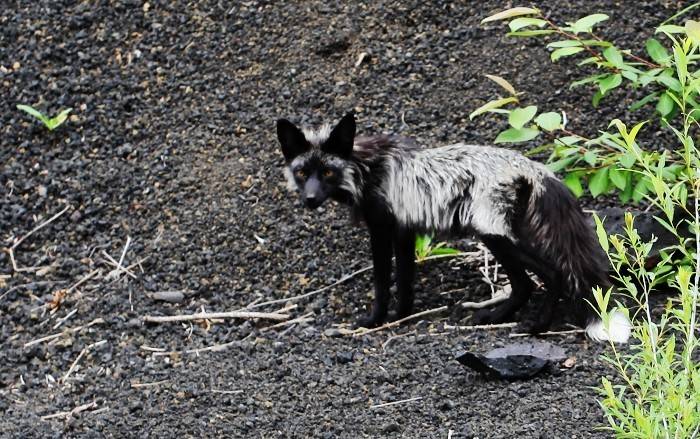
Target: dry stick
x,y
320,290
398,322
342,280
525,334
39,227
156,383
62,320
83,280
216,315
493,326
214,348
126,246
67,331
11,250
485,303
75,411
386,404
117,265
303,319
80,355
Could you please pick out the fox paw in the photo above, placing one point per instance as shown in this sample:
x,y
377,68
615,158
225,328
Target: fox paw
x,y
370,321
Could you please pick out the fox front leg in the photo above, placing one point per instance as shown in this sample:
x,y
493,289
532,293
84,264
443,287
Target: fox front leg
x,y
404,248
380,240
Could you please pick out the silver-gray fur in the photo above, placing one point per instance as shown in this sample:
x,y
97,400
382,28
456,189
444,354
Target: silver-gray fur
x,y
486,190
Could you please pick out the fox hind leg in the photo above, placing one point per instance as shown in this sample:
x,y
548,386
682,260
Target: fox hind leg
x,y
506,253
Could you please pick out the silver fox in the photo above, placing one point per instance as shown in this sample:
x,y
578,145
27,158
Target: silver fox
x,y
517,207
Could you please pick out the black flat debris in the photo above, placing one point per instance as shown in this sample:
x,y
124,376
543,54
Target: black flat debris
x,y
515,361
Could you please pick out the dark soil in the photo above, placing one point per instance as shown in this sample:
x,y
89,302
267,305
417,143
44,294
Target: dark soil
x,y
172,143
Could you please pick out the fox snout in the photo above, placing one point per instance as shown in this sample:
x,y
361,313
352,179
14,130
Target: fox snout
x,y
313,193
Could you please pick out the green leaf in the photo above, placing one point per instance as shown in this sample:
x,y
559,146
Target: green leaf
x,y
656,51
613,56
530,33
598,184
618,178
568,140
549,121
444,251
667,78
642,102
520,116
513,135
561,164
586,80
564,43
590,157
509,13
627,159
522,22
692,29
640,189
665,105
565,51
573,182
610,82
586,23
503,83
34,112
603,239
57,121
491,105
670,29
595,100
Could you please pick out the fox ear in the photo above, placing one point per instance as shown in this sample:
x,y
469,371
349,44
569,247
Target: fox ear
x,y
342,137
292,139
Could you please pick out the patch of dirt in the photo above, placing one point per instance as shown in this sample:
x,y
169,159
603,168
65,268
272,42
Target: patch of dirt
x,y
171,143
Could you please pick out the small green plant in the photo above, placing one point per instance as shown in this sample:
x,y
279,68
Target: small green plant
x,y
50,123
425,248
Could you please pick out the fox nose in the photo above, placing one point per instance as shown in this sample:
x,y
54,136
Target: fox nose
x,y
312,201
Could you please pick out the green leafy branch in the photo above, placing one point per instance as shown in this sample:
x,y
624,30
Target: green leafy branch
x,y
615,65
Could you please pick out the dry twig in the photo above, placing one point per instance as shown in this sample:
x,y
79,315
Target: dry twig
x,y
65,332
17,242
80,355
525,334
303,319
387,404
476,327
398,322
75,411
302,296
216,315
156,383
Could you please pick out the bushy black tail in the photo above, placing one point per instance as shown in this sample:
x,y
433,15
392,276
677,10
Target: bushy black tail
x,y
564,243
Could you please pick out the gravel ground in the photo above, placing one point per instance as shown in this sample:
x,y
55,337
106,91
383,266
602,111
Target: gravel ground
x,y
171,143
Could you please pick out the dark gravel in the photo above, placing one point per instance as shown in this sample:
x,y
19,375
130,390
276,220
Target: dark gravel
x,y
171,143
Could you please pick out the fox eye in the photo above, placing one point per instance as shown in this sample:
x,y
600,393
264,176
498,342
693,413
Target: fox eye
x,y
300,173
328,173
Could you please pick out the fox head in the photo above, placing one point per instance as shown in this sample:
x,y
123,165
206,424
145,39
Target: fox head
x,y
318,162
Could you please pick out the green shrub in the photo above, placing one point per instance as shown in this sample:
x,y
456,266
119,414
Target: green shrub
x,y
657,392
601,163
